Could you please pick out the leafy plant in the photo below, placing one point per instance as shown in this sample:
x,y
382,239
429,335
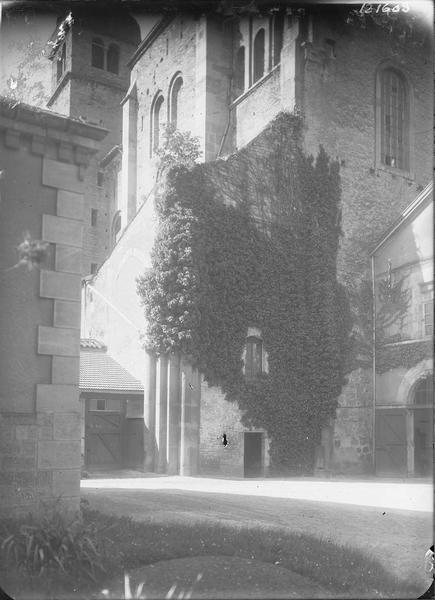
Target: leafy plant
x,y
51,545
31,252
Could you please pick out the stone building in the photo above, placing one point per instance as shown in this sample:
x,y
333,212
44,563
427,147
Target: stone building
x,y
403,364
363,93
44,159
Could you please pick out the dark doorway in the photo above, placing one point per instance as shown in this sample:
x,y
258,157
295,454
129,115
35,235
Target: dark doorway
x,y
423,439
253,455
391,450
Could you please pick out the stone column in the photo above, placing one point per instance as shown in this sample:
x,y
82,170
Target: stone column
x,y
161,414
410,451
129,141
190,404
150,413
173,415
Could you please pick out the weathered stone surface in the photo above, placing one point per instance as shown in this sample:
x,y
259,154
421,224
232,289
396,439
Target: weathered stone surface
x,y
60,230
70,205
65,370
66,314
68,259
61,175
57,398
66,426
59,341
59,455
64,286
66,482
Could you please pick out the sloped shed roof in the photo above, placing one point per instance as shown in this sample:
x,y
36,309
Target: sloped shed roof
x,y
100,372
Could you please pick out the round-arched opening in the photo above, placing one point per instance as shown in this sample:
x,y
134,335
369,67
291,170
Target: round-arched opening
x,y
259,53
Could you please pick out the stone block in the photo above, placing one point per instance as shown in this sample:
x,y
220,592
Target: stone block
x,y
66,152
67,314
12,139
61,175
64,286
59,341
70,205
57,398
67,426
59,455
65,370
38,144
45,426
19,463
59,230
68,259
66,482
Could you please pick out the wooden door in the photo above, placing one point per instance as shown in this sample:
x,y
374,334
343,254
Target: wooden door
x,y
253,464
391,448
103,439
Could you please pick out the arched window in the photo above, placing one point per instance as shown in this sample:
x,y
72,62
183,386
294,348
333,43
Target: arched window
x,y
254,357
393,119
156,117
259,55
239,72
278,27
97,53
174,95
113,59
423,392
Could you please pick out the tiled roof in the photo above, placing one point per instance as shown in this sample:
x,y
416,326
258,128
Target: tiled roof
x,y
99,371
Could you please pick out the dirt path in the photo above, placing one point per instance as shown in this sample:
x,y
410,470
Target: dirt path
x,y
398,538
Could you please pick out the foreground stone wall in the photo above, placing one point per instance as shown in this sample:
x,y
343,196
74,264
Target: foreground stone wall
x,y
44,158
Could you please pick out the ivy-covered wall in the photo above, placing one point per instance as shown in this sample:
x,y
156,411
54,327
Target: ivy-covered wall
x,y
252,242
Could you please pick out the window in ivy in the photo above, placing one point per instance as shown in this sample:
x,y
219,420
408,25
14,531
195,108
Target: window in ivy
x,y
239,72
423,393
259,53
394,120
254,358
113,59
97,59
94,217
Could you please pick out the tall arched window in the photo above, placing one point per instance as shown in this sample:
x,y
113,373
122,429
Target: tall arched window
x,y
259,48
174,98
156,122
393,119
278,27
254,358
97,53
239,72
113,59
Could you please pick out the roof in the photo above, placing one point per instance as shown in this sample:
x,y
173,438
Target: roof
x,y
101,372
422,199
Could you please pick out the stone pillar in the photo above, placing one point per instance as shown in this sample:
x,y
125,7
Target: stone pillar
x,y
150,413
161,414
173,415
190,405
40,417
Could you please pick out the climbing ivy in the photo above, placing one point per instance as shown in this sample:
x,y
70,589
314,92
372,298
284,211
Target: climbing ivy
x,y
252,241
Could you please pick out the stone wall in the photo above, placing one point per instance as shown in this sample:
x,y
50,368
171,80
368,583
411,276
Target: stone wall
x,y
44,158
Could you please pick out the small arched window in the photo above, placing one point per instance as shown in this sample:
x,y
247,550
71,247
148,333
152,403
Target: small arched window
x,y
156,123
174,95
239,72
97,53
259,55
278,27
254,358
423,392
393,119
113,59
